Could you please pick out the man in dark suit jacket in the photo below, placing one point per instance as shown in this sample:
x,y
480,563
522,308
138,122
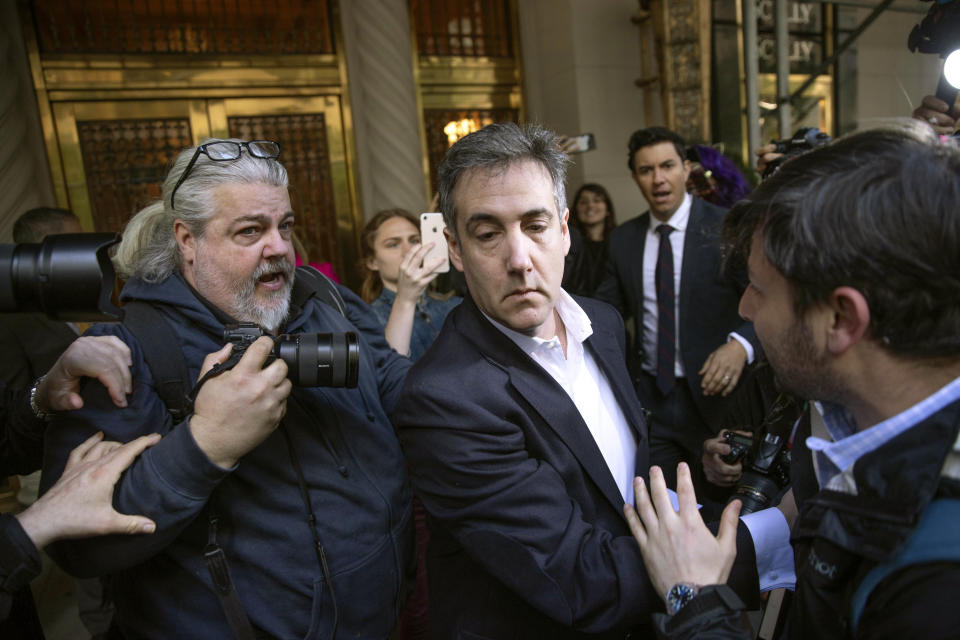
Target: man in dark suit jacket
x,y
520,425
708,343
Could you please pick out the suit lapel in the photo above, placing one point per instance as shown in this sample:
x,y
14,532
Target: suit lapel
x,y
547,398
637,263
694,273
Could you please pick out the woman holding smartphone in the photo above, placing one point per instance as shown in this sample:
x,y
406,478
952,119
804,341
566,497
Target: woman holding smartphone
x,y
396,282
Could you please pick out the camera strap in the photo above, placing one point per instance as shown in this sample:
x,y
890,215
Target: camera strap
x,y
166,362
216,561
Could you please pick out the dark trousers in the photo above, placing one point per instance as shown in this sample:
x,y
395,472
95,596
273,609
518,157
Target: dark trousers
x,y
677,430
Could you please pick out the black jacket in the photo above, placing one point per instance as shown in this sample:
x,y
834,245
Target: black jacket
x,y
21,434
528,537
19,561
839,537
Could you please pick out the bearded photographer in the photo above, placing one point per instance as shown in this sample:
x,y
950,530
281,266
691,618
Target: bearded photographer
x,y
276,491
853,254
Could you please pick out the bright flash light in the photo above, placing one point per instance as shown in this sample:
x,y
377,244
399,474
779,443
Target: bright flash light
x,y
951,69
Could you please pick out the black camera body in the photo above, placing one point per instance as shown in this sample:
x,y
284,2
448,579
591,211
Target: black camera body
x,y
766,472
739,446
939,31
313,359
805,139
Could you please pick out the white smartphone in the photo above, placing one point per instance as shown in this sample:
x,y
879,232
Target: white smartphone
x,y
431,230
584,142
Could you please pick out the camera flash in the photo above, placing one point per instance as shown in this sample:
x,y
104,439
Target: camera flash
x,y
951,69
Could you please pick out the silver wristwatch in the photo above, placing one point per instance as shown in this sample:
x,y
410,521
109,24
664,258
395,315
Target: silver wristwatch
x,y
34,401
680,595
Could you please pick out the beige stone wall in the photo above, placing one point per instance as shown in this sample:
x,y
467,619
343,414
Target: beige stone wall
x,y
891,81
580,61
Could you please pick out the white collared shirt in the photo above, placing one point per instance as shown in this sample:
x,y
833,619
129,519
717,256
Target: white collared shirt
x,y
587,387
651,250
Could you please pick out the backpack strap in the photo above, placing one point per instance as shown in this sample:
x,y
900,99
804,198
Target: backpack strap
x,y
167,365
324,288
935,539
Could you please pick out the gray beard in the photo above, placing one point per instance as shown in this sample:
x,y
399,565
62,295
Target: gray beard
x,y
271,317
244,306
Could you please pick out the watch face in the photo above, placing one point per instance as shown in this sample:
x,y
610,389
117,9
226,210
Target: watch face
x,y
679,595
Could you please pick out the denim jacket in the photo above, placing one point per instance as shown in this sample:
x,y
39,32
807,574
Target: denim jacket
x,y
427,320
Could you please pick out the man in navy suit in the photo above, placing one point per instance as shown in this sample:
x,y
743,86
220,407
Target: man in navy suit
x,y
520,425
689,343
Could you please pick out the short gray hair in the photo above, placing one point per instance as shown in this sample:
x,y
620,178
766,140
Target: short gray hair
x,y
149,249
495,148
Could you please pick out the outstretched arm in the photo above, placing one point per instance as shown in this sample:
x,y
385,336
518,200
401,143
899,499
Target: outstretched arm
x,y
105,358
678,548
172,481
413,281
80,503
676,545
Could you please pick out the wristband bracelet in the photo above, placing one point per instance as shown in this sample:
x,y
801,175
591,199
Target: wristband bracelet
x,y
34,403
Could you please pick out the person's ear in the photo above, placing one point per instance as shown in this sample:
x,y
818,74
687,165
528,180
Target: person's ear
x,y
186,241
372,263
454,246
565,230
850,319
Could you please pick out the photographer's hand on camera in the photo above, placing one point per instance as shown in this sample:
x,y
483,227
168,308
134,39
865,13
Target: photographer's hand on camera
x,y
715,469
722,369
238,409
938,114
765,155
105,358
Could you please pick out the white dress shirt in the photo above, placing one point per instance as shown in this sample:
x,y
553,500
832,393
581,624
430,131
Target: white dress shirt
x,y
588,388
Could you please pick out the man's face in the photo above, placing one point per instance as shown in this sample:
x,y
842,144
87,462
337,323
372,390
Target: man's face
x,y
244,262
661,174
512,244
799,359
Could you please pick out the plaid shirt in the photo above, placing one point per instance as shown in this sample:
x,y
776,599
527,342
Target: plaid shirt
x,y
849,445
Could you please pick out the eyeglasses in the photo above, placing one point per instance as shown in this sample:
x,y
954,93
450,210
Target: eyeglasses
x,y
224,150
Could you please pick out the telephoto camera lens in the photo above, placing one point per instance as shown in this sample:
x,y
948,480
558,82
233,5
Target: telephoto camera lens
x,y
67,276
320,359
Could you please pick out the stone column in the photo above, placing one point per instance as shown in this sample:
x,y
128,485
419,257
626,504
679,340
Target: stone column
x,y
386,119
24,174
